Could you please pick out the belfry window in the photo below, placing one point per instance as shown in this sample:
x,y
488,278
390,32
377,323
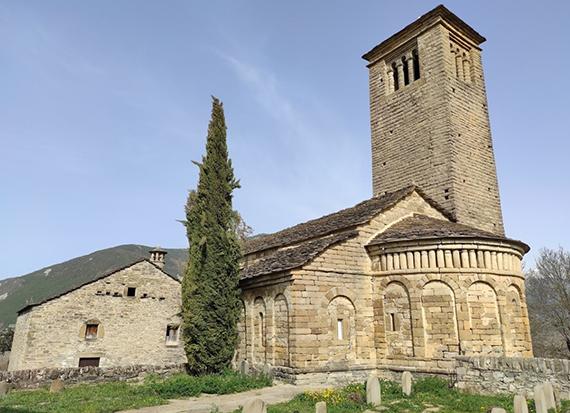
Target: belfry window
x,y
403,71
462,62
416,63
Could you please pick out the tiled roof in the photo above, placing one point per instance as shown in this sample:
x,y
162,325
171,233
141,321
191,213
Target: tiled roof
x,y
344,219
423,227
294,257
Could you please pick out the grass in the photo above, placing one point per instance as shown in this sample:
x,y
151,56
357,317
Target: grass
x,y
111,397
427,393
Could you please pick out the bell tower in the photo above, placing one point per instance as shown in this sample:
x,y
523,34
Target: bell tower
x,y
430,121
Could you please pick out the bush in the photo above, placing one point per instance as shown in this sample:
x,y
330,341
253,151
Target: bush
x,y
226,382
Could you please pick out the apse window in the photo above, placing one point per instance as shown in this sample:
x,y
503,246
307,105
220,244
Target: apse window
x,y
91,331
131,291
172,333
339,329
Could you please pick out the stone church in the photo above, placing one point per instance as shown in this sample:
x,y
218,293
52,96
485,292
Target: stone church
x,y
407,280
418,274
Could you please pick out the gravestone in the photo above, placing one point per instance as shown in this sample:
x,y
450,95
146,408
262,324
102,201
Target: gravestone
x,y
56,386
321,407
519,404
254,406
406,383
549,395
3,388
244,367
539,399
498,410
373,391
267,370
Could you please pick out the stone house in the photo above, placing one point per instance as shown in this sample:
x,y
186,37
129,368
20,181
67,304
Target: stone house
x,y
125,317
418,274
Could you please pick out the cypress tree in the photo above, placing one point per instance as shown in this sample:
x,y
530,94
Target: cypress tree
x,y
210,292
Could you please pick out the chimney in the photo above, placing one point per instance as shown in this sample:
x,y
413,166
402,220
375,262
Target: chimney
x,y
157,257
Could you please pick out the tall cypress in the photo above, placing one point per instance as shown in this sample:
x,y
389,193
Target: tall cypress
x,y
210,292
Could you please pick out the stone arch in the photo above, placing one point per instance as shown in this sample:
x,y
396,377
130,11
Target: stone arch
x,y
443,278
241,350
398,320
487,279
484,320
336,292
404,281
281,330
341,315
440,320
259,331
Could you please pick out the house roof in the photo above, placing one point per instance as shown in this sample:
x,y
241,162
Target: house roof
x,y
97,278
342,220
294,257
420,226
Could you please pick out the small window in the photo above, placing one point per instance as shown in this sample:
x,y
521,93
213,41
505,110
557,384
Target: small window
x,y
91,331
131,291
89,362
172,334
339,329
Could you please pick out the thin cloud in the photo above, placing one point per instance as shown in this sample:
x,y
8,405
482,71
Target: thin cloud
x,y
266,89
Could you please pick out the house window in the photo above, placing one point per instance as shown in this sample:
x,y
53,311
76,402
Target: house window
x,y
89,361
172,334
131,291
91,331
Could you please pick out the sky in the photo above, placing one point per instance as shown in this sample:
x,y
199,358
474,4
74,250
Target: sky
x,y
105,104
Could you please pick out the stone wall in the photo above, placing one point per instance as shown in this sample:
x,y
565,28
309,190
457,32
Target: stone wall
x,y
38,378
513,375
121,320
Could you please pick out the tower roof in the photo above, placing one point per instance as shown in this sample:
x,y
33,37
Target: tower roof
x,y
439,15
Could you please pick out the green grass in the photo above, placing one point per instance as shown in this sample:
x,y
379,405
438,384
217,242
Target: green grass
x,y
112,397
108,397
430,392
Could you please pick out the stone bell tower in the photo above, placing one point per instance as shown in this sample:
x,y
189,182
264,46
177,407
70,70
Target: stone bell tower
x,y
430,121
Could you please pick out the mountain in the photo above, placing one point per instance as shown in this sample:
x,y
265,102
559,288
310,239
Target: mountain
x,y
17,292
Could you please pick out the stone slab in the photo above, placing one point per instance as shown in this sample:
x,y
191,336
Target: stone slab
x,y
520,405
373,391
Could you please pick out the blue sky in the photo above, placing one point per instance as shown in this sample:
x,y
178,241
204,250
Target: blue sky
x,y
104,104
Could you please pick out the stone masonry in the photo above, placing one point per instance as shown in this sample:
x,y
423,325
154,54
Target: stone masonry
x,y
421,273
430,121
372,301
124,318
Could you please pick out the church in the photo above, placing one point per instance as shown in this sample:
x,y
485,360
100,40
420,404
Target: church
x,y
420,273
407,280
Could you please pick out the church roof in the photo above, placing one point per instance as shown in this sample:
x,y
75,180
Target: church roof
x,y
345,219
294,257
419,227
